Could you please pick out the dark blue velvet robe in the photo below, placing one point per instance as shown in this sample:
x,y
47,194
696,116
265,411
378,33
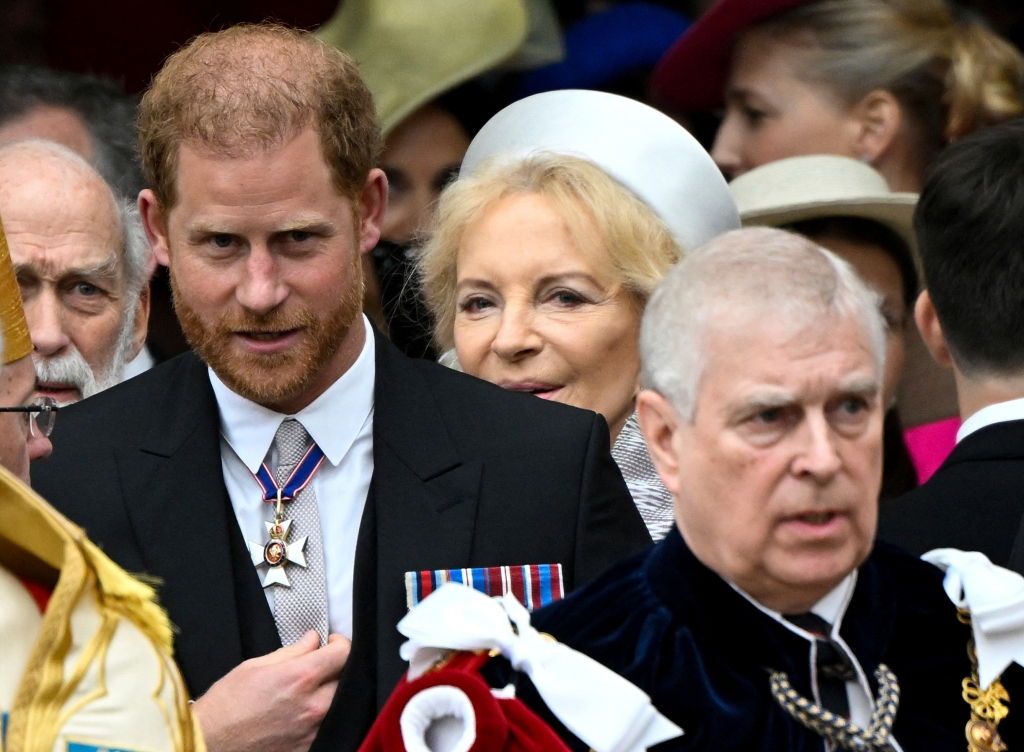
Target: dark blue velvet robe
x,y
704,653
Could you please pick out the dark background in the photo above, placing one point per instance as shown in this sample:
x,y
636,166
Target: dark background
x,y
128,39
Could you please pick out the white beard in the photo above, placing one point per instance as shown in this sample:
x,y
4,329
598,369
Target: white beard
x,y
72,369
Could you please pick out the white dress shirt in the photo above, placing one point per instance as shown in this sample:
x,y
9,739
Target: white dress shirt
x,y
832,608
1000,412
341,422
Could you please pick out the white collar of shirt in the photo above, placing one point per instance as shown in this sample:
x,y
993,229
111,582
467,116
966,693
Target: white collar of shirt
x,y
1000,412
831,608
333,419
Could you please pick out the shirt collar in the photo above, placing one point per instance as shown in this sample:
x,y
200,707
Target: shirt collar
x,y
334,419
831,608
986,416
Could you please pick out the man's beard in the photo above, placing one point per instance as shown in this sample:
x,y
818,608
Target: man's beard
x,y
72,369
272,378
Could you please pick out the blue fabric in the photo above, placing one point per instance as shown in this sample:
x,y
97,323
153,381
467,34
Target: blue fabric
x,y
604,45
704,653
296,481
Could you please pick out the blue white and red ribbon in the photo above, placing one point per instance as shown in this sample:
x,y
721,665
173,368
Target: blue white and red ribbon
x,y
297,480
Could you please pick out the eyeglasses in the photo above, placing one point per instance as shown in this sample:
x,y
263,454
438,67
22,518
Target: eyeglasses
x,y
39,417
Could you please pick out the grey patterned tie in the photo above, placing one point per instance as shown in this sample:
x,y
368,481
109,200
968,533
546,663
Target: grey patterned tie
x,y
303,606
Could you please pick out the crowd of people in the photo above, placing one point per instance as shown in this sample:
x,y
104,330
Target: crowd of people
x,y
517,412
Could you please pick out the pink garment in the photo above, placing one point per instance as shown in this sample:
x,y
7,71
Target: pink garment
x,y
930,444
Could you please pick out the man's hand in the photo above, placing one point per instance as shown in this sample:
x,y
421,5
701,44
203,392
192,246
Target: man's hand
x,y
274,703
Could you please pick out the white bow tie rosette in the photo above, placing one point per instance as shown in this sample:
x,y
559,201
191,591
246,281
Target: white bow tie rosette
x,y
995,598
604,710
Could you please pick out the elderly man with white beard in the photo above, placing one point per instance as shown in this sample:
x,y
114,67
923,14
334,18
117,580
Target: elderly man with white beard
x,y
82,262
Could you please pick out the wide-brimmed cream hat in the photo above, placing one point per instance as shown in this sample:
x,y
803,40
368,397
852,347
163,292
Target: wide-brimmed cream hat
x,y
412,51
809,187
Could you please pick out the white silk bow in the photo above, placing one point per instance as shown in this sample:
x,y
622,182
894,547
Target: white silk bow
x,y
995,597
597,705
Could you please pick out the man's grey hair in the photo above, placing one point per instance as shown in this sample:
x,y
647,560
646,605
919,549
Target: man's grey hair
x,y
137,252
108,113
135,249
761,273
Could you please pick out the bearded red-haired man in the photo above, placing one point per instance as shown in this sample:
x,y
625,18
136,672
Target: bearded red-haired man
x,y
298,476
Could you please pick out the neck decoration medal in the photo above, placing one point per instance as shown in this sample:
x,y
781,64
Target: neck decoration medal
x,y
277,551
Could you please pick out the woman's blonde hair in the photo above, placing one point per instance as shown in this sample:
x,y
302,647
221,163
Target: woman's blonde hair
x,y
592,204
951,77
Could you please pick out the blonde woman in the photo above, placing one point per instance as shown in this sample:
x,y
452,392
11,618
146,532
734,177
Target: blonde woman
x,y
889,82
570,208
886,82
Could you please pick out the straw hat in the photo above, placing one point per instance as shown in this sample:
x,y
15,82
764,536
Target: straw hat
x,y
646,151
808,187
411,51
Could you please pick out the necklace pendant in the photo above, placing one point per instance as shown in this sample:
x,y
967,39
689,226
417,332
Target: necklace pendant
x,y
277,552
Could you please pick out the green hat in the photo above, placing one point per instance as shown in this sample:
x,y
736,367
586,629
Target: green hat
x,y
412,51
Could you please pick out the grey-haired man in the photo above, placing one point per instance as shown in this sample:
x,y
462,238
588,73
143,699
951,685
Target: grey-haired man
x,y
83,264
768,619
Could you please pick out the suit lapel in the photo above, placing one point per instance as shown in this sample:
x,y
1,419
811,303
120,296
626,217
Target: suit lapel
x,y
420,513
355,703
425,497
183,520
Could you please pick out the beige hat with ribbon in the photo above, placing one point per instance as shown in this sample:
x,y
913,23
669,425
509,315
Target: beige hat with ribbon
x,y
809,187
412,51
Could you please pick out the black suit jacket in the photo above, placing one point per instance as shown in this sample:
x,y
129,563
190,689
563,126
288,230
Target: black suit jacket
x,y
974,501
465,475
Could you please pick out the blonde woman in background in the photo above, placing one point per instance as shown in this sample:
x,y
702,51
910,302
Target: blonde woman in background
x,y
886,82
889,82
570,208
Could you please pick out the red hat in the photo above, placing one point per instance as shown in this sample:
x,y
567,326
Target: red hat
x,y
476,719
691,76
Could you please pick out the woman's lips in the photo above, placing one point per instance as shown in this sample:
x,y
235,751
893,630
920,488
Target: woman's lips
x,y
541,389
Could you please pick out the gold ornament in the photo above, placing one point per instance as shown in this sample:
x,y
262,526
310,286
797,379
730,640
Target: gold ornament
x,y
17,342
989,706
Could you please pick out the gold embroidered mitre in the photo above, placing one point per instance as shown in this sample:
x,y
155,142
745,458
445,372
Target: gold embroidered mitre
x,y
17,342
94,672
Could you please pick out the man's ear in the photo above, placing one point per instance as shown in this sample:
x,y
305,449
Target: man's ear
x,y
141,322
659,422
374,202
155,224
879,117
927,321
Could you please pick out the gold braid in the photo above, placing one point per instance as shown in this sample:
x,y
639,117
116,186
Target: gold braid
x,y
836,728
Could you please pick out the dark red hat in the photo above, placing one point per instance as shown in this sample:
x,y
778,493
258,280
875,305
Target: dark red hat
x,y
691,76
